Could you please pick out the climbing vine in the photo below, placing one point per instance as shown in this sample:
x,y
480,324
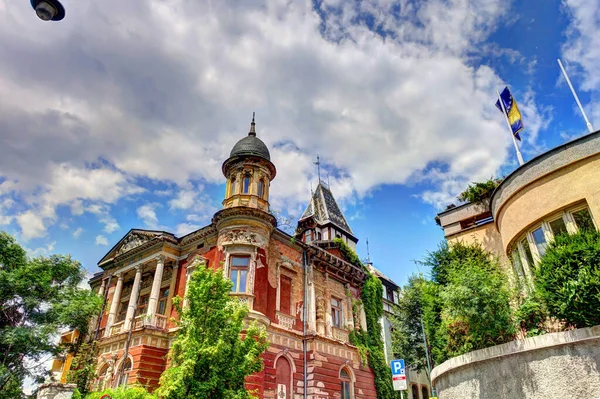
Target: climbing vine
x,y
347,252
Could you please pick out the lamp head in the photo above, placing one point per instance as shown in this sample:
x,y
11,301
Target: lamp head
x,y
48,10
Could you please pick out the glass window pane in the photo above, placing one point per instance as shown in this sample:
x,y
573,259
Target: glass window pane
x,y
162,305
583,220
527,250
234,279
344,373
243,274
261,187
516,261
232,186
246,185
240,261
540,241
558,227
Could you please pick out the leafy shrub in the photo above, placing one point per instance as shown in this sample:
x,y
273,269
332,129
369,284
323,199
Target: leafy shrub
x,y
123,393
530,316
567,278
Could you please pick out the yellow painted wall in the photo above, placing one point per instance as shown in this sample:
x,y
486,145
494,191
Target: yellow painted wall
x,y
487,236
575,182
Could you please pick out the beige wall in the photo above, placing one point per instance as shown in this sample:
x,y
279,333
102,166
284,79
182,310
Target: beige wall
x,y
487,236
557,190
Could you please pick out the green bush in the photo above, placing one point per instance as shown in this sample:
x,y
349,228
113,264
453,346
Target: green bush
x,y
531,316
567,278
123,393
477,192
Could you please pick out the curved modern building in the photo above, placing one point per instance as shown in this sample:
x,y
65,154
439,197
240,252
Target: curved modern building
x,y
557,192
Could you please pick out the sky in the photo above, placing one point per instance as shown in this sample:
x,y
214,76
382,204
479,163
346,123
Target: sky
x,y
121,115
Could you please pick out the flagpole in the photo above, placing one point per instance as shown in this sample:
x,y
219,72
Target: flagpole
x,y
519,156
587,122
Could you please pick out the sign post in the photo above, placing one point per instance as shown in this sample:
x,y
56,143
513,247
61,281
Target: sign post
x,y
399,375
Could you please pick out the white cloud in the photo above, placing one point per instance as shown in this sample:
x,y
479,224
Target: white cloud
x,y
142,99
101,240
185,228
147,214
32,225
77,232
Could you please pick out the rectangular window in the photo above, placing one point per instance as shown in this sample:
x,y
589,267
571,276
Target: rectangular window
x,y
583,220
336,312
558,227
142,305
308,236
516,261
162,302
540,240
346,390
239,273
285,295
246,185
122,312
529,257
390,294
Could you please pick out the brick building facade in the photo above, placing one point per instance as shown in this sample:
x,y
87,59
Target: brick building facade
x,y
300,288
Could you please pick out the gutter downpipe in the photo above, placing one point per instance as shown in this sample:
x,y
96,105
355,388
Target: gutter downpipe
x,y
304,311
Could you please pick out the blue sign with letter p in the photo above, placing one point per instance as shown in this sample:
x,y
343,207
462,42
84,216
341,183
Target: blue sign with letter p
x,y
398,367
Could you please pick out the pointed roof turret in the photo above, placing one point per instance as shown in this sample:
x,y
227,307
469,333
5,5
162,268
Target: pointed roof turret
x,y
325,210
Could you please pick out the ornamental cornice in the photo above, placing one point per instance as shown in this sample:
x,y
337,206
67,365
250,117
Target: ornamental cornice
x,y
244,212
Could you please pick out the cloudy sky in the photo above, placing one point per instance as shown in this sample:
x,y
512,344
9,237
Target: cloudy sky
x,y
120,115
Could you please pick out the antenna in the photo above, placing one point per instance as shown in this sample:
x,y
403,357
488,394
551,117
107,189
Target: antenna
x,y
368,254
318,163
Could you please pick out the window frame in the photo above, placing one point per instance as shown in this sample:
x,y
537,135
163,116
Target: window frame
x,y
346,384
238,269
246,185
261,189
337,310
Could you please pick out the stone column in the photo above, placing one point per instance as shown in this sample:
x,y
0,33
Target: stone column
x,y
155,292
102,287
311,306
114,305
349,318
133,298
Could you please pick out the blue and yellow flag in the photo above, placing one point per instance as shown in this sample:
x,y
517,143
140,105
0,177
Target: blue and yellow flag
x,y
512,112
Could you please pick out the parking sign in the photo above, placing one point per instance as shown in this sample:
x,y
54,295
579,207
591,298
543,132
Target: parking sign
x,y
398,375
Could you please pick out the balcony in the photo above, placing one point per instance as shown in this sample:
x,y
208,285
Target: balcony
x,y
340,334
158,322
286,321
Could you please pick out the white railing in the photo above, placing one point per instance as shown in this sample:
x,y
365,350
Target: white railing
x,y
285,320
341,334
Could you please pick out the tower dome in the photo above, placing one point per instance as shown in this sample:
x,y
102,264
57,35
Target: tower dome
x,y
250,145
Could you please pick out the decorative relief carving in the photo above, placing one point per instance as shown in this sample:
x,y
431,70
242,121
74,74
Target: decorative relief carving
x,y
321,309
132,241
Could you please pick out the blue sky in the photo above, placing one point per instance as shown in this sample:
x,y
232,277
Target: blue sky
x,y
120,116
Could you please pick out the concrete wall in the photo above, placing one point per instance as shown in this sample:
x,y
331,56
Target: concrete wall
x,y
558,365
56,391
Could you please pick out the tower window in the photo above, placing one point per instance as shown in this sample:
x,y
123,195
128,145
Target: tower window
x,y
261,188
239,273
246,184
336,312
232,186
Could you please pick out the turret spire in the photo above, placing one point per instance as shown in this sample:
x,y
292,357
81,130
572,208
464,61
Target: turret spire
x,y
252,127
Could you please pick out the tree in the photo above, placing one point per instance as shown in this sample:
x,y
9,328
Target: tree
x,y
212,338
479,191
567,279
38,298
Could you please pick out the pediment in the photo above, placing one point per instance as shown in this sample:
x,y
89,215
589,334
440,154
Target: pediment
x,y
133,239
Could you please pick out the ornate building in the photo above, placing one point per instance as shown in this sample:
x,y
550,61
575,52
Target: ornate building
x,y
300,288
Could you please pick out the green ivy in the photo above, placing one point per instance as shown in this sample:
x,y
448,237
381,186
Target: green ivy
x,y
370,342
348,253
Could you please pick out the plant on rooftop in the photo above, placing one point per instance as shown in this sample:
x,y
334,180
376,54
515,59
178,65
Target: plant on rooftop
x,y
347,252
479,191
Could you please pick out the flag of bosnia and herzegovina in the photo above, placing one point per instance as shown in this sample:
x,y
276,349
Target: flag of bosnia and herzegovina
x,y
512,112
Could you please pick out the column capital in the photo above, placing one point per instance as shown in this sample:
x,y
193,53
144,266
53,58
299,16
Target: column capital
x,y
138,268
119,275
160,258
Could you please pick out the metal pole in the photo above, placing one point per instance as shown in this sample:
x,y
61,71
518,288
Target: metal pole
x,y
431,389
519,156
587,122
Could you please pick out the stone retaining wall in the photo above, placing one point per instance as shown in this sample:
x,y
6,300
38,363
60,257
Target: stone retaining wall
x,y
557,365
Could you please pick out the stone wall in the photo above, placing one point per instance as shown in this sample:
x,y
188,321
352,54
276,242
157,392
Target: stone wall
x,y
557,365
55,391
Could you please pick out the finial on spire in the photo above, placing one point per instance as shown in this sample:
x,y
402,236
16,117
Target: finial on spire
x,y
318,163
368,254
252,128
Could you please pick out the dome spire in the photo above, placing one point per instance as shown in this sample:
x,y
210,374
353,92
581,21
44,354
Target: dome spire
x,y
252,127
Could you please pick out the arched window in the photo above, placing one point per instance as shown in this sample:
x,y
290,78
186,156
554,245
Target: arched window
x,y
126,371
346,382
246,184
283,378
415,391
232,188
261,188
102,377
424,392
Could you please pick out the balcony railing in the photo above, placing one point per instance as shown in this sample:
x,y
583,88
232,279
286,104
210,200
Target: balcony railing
x,y
285,320
117,328
341,334
159,321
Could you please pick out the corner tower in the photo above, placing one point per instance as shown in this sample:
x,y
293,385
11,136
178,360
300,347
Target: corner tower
x,y
249,172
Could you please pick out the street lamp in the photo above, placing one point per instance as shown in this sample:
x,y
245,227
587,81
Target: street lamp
x,y
48,10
